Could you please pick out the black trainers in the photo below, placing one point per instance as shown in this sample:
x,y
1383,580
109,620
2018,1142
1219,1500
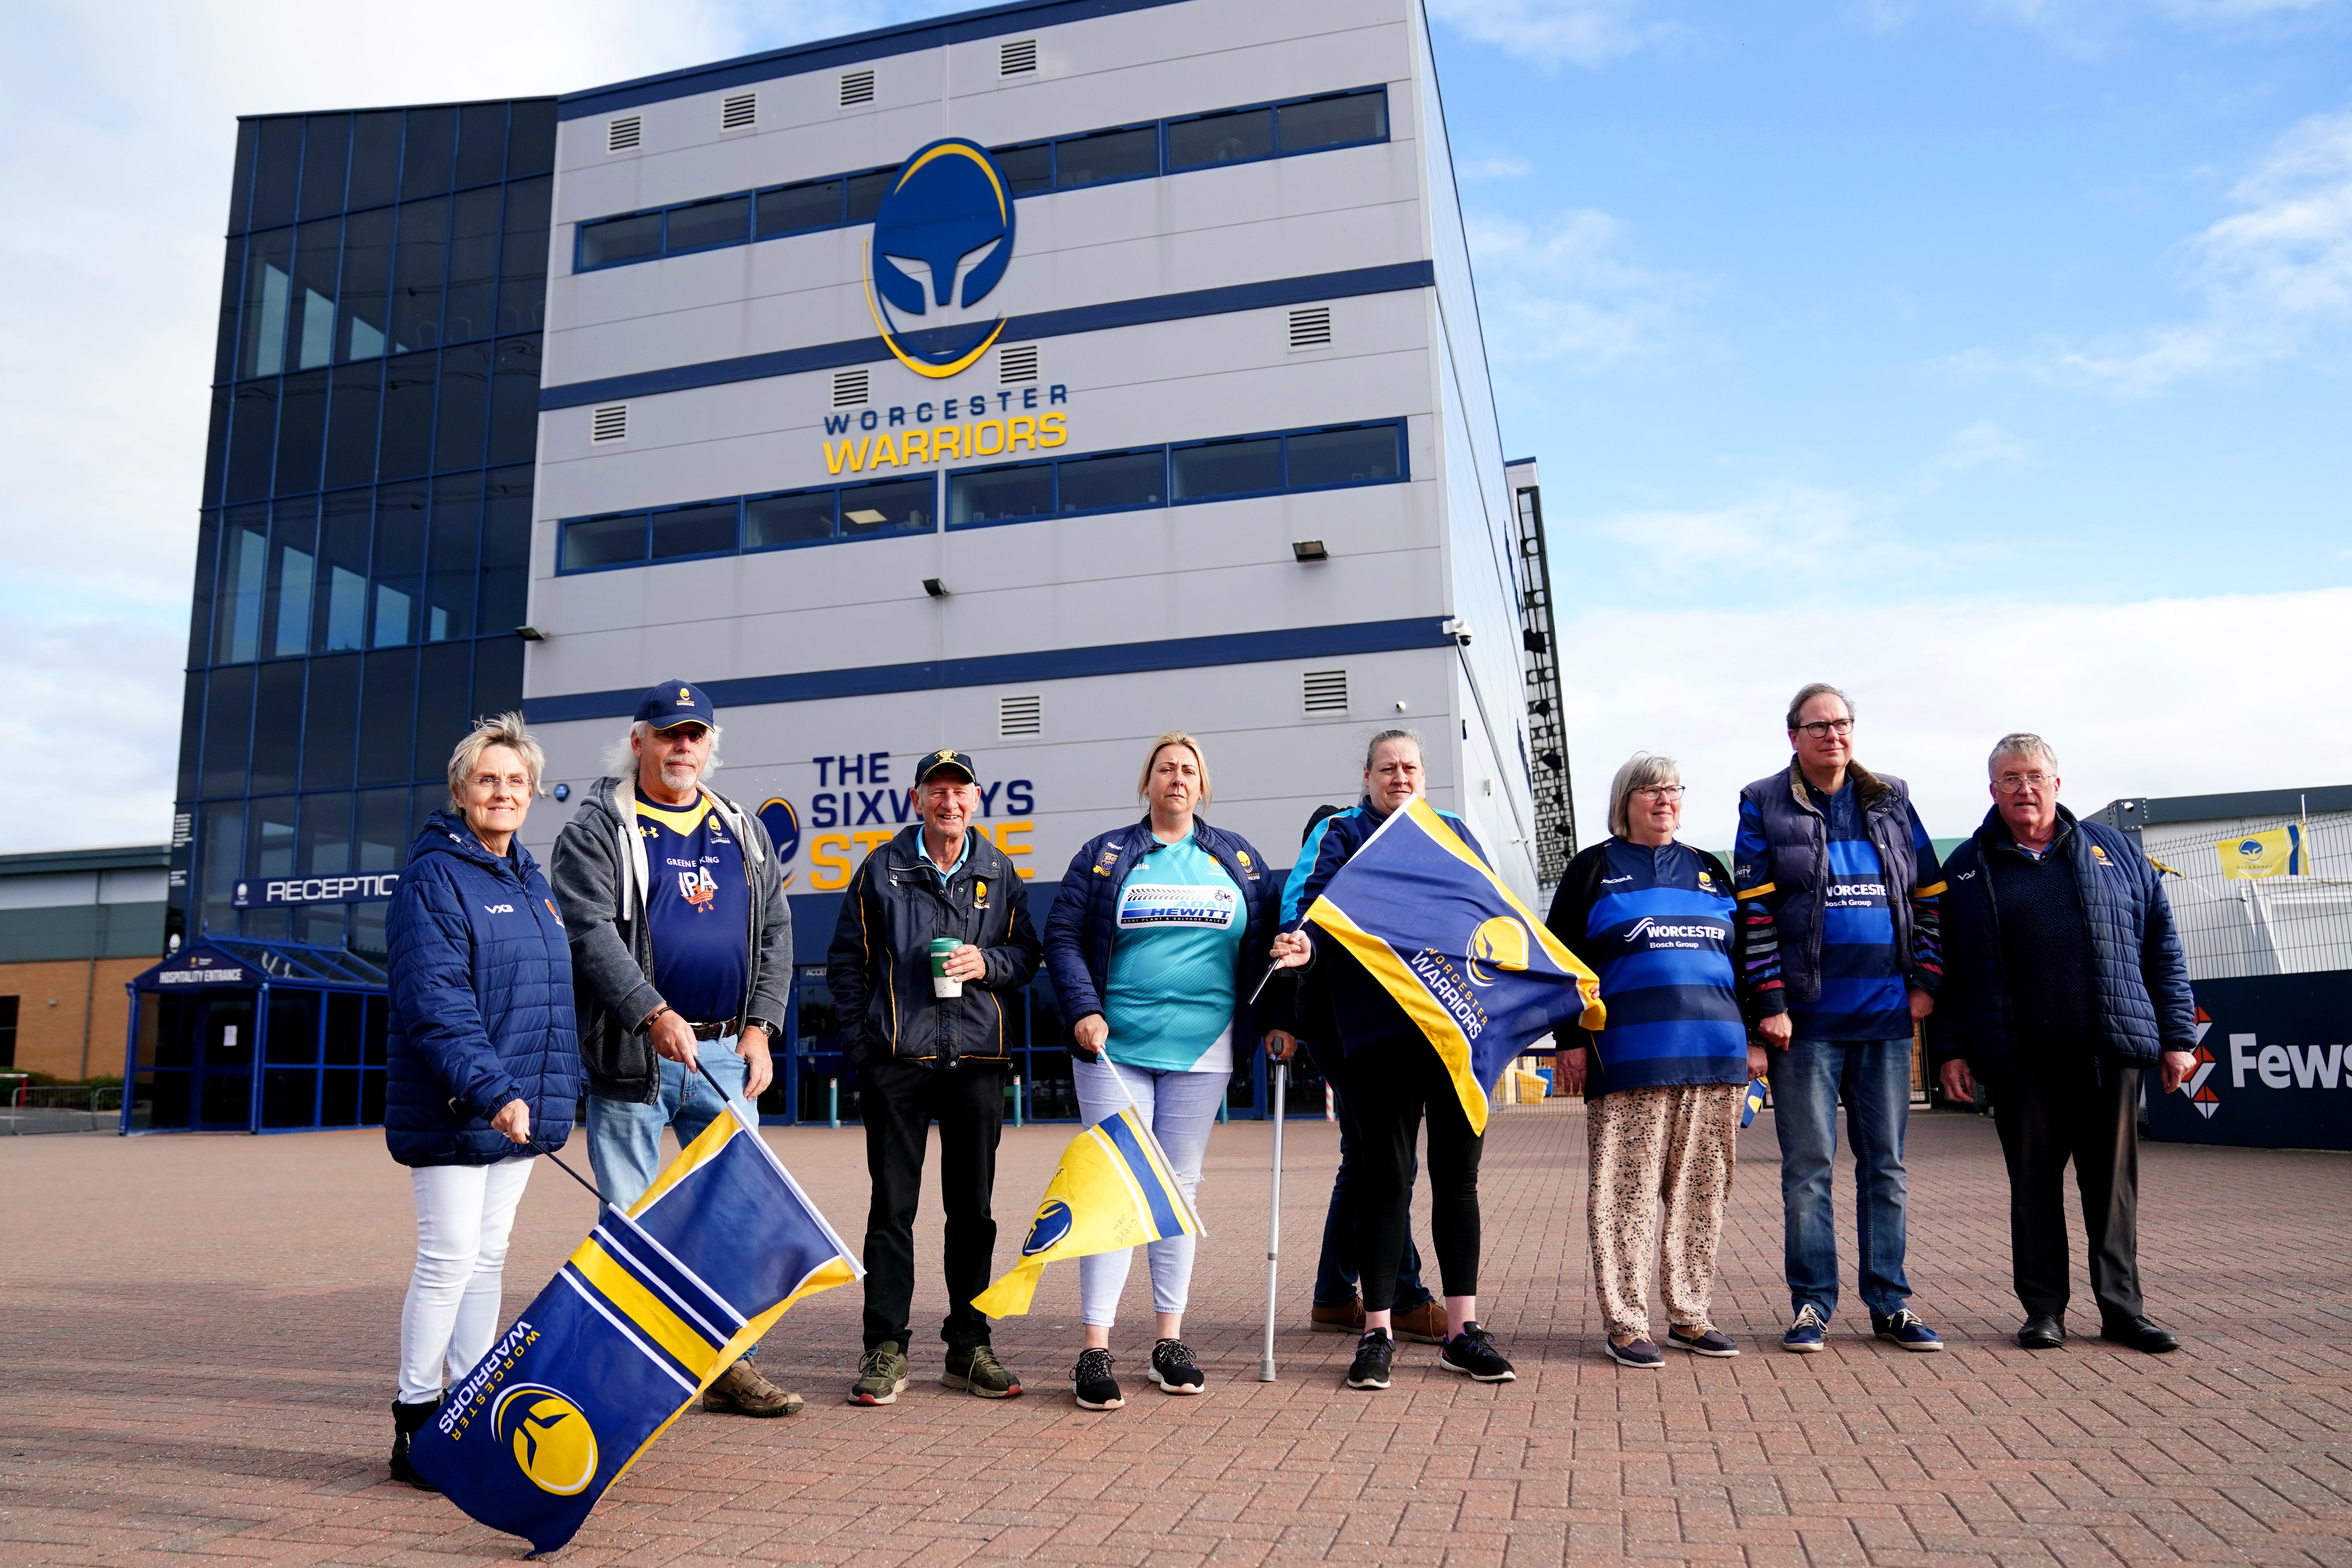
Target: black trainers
x,y
1174,1369
1471,1352
1091,1380
1373,1353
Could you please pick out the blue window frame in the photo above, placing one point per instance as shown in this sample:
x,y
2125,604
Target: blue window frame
x,y
781,519
1143,150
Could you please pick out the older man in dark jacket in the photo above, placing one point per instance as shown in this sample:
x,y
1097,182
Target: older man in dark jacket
x,y
928,1036
2062,981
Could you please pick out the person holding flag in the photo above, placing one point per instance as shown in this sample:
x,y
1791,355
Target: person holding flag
x,y
1656,919
1153,947
1434,977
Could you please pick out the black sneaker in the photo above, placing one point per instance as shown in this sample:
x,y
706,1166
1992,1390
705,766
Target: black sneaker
x,y
1473,1353
1174,1369
1095,1386
1373,1353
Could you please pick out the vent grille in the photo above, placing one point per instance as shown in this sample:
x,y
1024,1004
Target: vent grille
x,y
740,111
857,86
1326,691
1016,58
610,424
1017,363
1311,328
623,134
849,387
1018,716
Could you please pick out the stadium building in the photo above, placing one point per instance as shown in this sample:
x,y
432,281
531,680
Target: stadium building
x,y
1030,380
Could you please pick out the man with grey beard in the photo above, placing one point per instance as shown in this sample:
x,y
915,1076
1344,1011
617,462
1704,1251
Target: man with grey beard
x,y
681,953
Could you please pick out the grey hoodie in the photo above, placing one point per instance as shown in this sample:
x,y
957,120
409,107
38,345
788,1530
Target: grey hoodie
x,y
599,873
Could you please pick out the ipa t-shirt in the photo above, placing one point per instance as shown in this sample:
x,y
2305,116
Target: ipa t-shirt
x,y
1169,999
699,910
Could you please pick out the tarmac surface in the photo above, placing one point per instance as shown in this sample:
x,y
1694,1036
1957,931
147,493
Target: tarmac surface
x,y
201,1333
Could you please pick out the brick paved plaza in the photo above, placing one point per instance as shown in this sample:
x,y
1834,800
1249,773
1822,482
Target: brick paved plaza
x,y
201,1333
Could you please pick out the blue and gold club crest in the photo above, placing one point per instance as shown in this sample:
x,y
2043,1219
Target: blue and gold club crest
x,y
549,1436
948,204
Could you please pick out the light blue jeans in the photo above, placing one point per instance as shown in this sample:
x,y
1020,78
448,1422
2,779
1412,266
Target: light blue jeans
x,y
1180,1108
1876,1078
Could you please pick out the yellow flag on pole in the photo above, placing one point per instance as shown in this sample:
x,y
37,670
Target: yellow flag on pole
x,y
1114,1188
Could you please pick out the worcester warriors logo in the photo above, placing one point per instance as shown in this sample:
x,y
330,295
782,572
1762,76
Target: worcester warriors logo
x,y
1052,1223
1498,944
549,1436
949,211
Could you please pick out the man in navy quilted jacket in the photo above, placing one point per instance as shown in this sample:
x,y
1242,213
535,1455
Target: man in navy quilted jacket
x,y
2062,981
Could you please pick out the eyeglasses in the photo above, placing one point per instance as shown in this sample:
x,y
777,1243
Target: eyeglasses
x,y
1662,792
2010,783
1822,729
517,784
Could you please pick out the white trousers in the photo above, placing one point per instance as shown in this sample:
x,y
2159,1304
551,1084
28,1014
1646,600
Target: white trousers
x,y
464,1215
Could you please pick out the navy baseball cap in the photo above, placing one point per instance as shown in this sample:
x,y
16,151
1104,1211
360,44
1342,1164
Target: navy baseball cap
x,y
944,760
676,702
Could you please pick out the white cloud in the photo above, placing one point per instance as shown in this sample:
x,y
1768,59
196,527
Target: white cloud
x,y
92,728
120,123
2275,278
1552,33
2164,697
1501,166
1564,293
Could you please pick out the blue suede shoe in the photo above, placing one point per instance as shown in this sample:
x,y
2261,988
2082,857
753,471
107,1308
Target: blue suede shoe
x,y
1804,1335
1706,1341
1905,1329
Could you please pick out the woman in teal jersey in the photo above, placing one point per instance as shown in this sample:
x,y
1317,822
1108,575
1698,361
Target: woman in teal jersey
x,y
1150,946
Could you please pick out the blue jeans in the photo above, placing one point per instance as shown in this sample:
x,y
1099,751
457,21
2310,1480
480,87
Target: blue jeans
x,y
624,1136
1336,1270
1877,1078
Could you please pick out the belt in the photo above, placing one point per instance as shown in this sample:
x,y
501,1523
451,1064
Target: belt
x,y
717,1031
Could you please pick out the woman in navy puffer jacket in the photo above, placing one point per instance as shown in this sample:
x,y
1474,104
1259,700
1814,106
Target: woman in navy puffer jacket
x,y
484,1069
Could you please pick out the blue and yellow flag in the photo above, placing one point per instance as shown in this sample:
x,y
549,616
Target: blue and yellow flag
x,y
1466,960
653,1307
1114,1188
2278,853
1752,1101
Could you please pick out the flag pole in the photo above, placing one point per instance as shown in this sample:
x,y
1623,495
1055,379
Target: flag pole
x,y
1273,1222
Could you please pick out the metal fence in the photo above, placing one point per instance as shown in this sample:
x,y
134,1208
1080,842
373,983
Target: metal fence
x,y
60,1108
2235,926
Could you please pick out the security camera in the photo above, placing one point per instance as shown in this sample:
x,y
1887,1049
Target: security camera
x,y
1458,629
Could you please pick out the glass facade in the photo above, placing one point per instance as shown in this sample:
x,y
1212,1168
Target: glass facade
x,y
365,526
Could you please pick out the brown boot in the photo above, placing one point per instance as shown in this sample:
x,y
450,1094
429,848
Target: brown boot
x,y
741,1391
1425,1324
1347,1318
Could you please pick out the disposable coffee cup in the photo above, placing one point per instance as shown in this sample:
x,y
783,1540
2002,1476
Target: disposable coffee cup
x,y
940,985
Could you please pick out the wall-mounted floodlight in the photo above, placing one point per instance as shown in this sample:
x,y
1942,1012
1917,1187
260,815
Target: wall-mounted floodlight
x,y
1307,550
531,634
935,588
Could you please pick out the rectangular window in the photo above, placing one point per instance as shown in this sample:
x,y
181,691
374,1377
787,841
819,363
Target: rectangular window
x,y
200,613
420,259
7,1031
277,728
894,506
268,285
451,570
618,540
244,571
231,292
291,578
1334,121
444,691
1013,493
252,439
343,530
1114,483
326,148
1369,455
706,530
406,445
361,306
726,221
375,159
240,184
620,239
310,334
399,565
814,204
773,521
330,713
506,550
355,401
424,160
222,847
865,193
1236,136
522,260
530,138
1025,169
228,730
473,266
1106,155
1217,469
498,675
276,168
514,400
481,143
387,717
463,420
301,431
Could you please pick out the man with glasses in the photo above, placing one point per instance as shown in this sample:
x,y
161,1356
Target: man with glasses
x,y
1837,885
681,952
2066,981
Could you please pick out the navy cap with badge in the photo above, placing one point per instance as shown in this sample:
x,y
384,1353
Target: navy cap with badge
x,y
946,759
676,702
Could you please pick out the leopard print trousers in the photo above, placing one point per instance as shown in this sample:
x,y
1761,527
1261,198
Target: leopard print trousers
x,y
1674,1142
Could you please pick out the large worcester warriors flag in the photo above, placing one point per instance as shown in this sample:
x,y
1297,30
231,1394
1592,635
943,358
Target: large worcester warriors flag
x,y
1114,1188
2278,853
1466,960
654,1306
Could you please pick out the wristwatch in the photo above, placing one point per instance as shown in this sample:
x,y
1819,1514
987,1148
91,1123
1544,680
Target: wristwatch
x,y
773,1031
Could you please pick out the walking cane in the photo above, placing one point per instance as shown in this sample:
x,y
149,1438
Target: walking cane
x,y
1274,1222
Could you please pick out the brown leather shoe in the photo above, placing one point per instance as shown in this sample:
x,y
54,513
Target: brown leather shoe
x,y
742,1391
1347,1318
1426,1324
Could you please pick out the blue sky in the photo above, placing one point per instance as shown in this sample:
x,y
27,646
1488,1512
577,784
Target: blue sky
x,y
1986,356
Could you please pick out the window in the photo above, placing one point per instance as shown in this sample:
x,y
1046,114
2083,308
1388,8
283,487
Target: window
x,y
1025,169
1105,156
1338,120
1117,482
615,541
771,523
722,222
8,1031
814,204
1013,493
1324,458
1236,136
1216,468
866,193
705,530
620,239
894,506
